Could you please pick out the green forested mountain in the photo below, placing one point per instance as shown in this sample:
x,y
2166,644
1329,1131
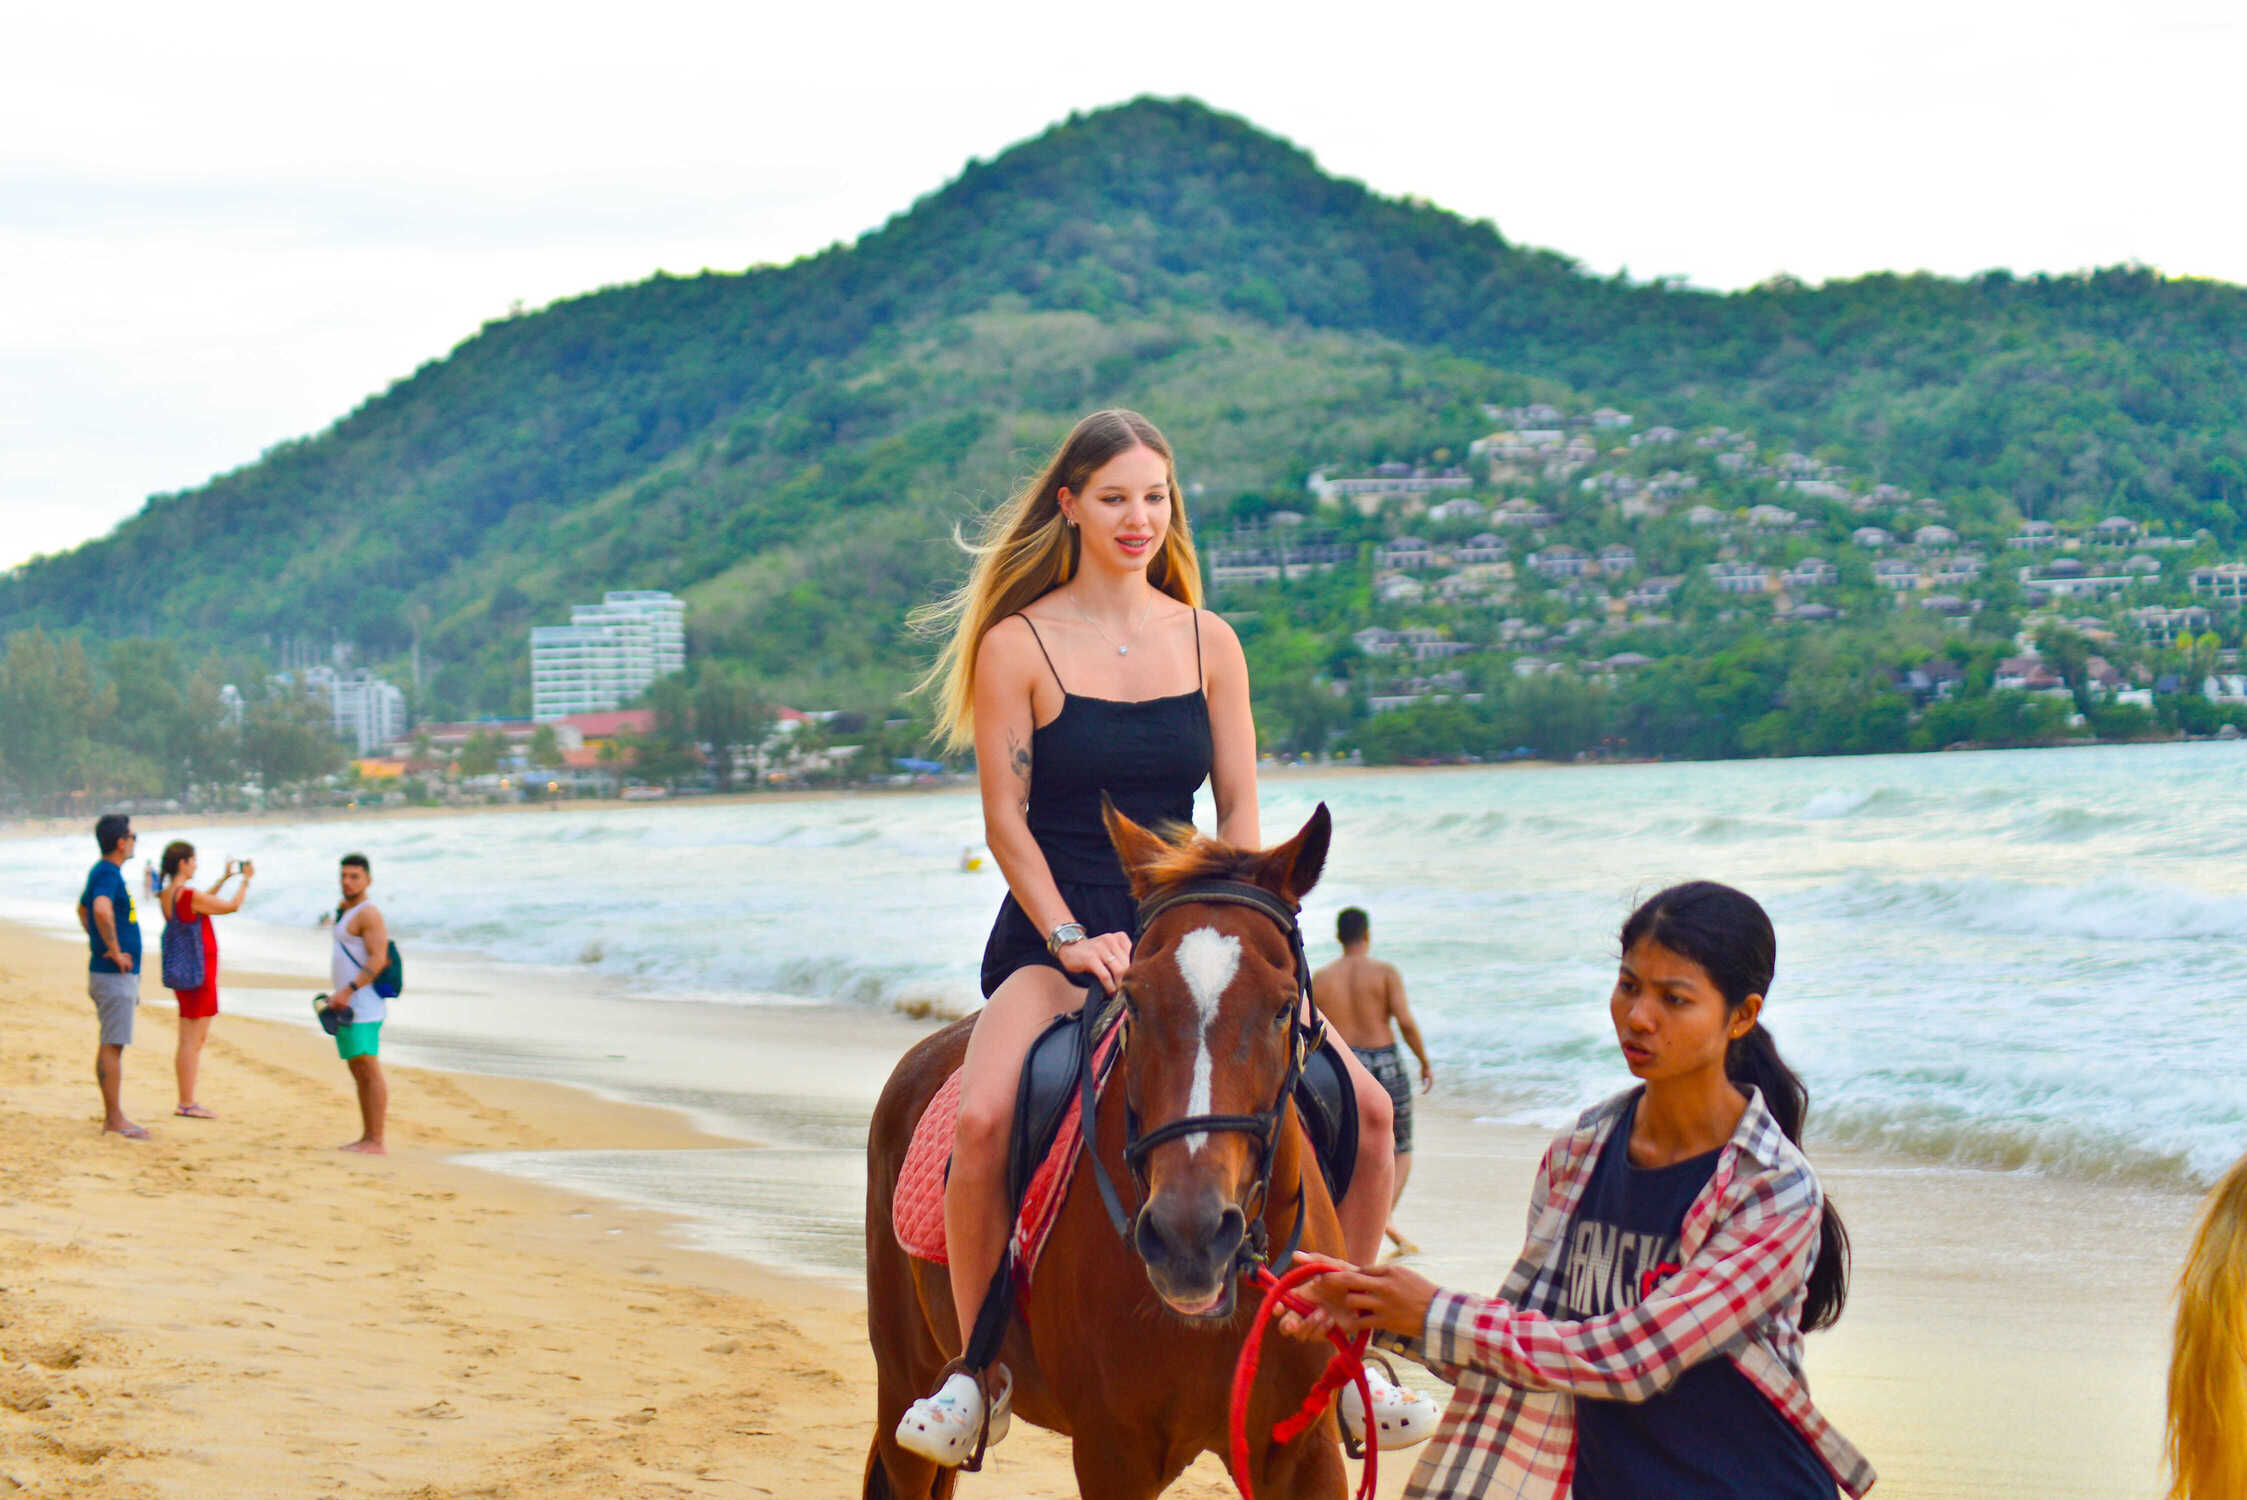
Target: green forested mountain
x,y
789,446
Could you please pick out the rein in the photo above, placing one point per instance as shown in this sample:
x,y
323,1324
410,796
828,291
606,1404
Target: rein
x,y
1346,1368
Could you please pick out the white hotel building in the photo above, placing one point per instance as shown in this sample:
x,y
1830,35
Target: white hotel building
x,y
365,711
607,654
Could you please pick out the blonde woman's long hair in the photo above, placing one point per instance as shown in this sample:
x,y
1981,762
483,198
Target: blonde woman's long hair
x,y
1026,549
2207,1439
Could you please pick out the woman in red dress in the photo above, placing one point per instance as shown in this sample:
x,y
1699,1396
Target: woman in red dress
x,y
182,903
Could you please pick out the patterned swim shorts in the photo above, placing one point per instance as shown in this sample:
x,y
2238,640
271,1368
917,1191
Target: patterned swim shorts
x,y
1386,1064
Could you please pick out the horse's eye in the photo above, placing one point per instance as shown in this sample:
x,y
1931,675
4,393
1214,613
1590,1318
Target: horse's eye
x,y
1284,1012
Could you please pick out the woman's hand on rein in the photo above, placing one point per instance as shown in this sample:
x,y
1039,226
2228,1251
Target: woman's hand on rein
x,y
1387,1298
1104,957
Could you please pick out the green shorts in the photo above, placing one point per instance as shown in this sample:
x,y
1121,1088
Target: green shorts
x,y
358,1039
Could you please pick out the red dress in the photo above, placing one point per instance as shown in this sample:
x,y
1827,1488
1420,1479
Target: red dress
x,y
203,999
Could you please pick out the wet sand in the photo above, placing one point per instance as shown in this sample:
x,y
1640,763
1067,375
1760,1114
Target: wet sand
x,y
233,1308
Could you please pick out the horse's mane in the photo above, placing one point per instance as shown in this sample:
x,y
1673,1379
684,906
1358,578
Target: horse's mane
x,y
2208,1365
1190,855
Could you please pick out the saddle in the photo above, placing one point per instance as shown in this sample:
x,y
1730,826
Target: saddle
x,y
1043,1143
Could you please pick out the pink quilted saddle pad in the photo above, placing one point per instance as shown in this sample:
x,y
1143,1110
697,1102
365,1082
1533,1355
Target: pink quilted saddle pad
x,y
917,1208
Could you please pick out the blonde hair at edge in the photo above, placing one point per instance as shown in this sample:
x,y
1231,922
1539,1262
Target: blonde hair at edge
x,y
2208,1367
1027,549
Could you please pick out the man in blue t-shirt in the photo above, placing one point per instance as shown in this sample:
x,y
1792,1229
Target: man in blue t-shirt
x,y
112,923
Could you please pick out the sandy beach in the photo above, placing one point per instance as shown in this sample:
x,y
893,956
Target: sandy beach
x,y
234,1309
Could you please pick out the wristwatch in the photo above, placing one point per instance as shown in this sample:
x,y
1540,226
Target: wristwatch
x,y
1062,936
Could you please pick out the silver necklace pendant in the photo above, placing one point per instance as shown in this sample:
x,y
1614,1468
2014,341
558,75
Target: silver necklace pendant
x,y
1123,651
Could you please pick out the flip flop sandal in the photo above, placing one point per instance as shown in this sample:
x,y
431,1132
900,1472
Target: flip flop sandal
x,y
194,1112
130,1132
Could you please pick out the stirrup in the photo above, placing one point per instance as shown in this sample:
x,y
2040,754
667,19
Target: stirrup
x,y
1401,1417
956,1425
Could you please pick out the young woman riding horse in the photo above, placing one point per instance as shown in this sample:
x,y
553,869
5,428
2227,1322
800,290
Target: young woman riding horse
x,y
1194,1162
1081,664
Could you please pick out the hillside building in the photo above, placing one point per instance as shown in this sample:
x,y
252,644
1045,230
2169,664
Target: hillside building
x,y
2226,583
1386,482
364,710
607,654
1739,578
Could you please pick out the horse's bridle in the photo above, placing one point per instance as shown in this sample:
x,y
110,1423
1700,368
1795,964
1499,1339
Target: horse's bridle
x,y
1265,1126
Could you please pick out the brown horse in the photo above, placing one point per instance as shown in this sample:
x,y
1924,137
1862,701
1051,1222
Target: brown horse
x,y
1129,1347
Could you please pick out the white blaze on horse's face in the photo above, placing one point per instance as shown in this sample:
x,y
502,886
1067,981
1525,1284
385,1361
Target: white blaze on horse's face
x,y
1207,960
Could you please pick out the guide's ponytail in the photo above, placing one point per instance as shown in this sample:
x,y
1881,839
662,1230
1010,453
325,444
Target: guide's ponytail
x,y
1753,1061
1731,938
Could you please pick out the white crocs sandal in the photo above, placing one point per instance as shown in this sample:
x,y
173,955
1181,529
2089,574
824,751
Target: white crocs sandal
x,y
944,1428
1400,1417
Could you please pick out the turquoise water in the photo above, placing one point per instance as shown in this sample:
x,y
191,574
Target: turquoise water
x,y
2028,959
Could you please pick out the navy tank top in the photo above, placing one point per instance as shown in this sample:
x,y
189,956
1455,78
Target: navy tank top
x,y
1149,756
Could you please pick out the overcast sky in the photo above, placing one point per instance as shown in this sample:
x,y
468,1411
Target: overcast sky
x,y
224,225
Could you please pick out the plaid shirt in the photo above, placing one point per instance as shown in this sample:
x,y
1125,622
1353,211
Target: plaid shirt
x,y
1748,1243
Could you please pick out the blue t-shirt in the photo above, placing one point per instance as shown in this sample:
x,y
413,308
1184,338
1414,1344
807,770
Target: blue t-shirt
x,y
104,880
1712,1435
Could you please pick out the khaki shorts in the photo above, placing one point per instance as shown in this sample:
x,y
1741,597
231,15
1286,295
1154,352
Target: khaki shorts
x,y
115,998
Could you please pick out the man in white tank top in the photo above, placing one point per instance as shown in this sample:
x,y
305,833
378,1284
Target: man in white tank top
x,y
359,953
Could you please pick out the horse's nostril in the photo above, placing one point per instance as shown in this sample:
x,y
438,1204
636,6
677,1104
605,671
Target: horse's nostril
x,y
1148,1240
1183,1232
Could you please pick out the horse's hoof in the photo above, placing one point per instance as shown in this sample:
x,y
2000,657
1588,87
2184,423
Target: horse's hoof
x,y
1401,1418
943,1428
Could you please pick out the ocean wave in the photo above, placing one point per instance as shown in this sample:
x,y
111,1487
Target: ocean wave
x,y
1554,823
1955,1120
2067,825
2103,910
1721,828
1837,802
1952,1136
848,982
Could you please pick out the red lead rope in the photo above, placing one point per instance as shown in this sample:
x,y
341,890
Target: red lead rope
x,y
1347,1367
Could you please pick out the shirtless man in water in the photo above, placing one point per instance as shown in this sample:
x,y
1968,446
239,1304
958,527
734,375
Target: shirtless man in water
x,y
1360,996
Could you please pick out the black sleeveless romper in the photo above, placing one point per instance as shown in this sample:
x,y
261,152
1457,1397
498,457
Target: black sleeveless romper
x,y
1149,756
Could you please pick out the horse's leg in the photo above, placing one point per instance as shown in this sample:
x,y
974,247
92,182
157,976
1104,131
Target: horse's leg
x,y
906,1357
906,1350
1110,1467
891,1472
1310,1468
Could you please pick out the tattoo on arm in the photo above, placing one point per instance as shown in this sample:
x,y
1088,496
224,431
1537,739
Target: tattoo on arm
x,y
1018,756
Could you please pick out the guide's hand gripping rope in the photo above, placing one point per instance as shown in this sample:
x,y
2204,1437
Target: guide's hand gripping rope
x,y
1346,1368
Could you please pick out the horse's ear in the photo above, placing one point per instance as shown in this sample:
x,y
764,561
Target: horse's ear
x,y
1293,868
1139,848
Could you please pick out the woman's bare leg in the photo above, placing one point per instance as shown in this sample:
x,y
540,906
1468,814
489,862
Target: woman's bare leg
x,y
975,1209
1364,1209
187,1056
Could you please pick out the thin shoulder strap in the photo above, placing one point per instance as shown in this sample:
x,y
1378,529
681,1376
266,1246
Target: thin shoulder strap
x,y
1199,676
1048,655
